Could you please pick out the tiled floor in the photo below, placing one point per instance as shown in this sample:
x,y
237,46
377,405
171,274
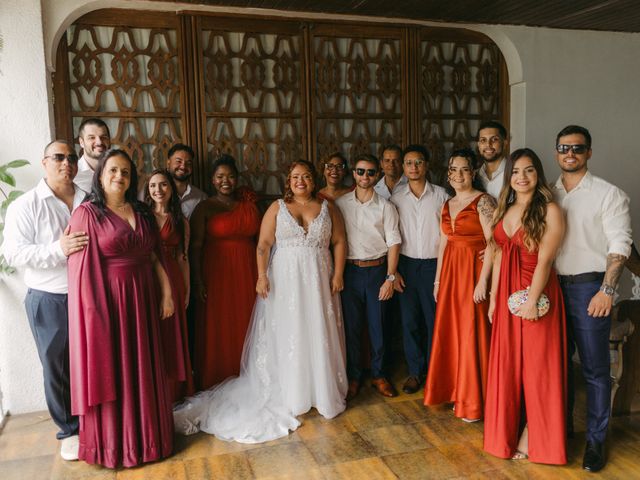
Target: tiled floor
x,y
375,438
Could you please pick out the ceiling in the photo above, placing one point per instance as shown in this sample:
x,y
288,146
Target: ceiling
x,y
607,15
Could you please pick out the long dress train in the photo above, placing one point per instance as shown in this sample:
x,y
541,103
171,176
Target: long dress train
x,y
527,364
460,351
294,354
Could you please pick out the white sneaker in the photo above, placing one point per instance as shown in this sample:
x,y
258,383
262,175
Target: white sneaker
x,y
69,447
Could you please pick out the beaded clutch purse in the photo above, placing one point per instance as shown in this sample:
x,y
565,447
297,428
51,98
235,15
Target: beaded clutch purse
x,y
518,298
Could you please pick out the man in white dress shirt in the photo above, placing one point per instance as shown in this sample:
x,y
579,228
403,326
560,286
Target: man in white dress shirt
x,y
180,165
373,247
419,204
37,238
95,139
493,145
589,264
391,164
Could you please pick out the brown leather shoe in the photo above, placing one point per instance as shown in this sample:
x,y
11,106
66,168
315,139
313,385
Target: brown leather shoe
x,y
354,388
412,385
383,387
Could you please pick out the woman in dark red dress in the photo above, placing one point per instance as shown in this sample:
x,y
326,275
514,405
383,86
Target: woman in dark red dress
x,y
119,293
460,351
174,231
223,262
526,391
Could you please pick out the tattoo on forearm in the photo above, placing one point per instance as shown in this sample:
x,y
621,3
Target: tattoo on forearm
x,y
486,206
260,251
615,264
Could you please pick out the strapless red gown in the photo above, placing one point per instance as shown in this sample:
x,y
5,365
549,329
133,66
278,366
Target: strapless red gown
x,y
230,273
174,330
527,364
460,350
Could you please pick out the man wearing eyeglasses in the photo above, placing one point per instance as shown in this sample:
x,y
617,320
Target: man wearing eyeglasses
x,y
36,237
372,259
589,264
419,204
95,139
391,164
492,147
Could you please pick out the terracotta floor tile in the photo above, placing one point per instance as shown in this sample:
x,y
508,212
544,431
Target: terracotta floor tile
x,y
321,427
293,458
345,447
232,466
421,464
367,417
165,470
395,439
33,468
365,469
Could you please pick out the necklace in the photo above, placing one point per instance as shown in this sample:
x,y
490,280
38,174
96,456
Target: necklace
x,y
304,204
122,207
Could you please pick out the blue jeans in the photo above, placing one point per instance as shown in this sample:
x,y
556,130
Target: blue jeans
x,y
590,335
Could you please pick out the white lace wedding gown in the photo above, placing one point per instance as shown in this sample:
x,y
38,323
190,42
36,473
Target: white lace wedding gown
x,y
294,353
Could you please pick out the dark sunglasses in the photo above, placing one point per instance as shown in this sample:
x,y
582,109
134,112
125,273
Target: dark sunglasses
x,y
577,149
371,172
60,157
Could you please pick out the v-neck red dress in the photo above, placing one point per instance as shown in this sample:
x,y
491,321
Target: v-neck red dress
x,y
527,380
118,377
460,350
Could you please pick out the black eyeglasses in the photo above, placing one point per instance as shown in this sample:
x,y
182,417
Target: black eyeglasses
x,y
334,166
60,157
577,149
371,172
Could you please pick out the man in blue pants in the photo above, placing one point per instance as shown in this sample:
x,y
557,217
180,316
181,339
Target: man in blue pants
x,y
589,264
372,259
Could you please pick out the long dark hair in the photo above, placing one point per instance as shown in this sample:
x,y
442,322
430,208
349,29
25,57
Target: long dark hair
x,y
474,164
534,222
97,193
288,193
174,210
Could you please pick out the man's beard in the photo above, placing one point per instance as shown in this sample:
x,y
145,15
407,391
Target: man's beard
x,y
180,178
494,158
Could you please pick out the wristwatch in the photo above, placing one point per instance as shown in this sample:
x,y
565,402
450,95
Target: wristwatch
x,y
391,277
608,290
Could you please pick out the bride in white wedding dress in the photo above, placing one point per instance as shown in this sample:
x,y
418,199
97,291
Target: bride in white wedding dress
x,y
294,353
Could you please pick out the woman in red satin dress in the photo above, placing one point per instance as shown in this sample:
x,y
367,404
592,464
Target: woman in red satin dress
x,y
174,232
526,390
223,262
460,351
335,171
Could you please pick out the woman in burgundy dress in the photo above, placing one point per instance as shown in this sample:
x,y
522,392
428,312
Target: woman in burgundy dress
x,y
223,262
526,388
460,351
174,231
119,293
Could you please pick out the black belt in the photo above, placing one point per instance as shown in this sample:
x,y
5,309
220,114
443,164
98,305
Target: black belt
x,y
581,278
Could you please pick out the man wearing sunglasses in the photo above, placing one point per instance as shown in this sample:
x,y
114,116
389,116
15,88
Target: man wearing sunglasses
x,y
419,204
589,264
492,147
37,238
372,259
95,139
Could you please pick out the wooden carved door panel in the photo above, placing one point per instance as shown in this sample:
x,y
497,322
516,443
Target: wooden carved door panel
x,y
253,98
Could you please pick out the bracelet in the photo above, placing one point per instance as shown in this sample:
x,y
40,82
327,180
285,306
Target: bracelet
x,y
436,283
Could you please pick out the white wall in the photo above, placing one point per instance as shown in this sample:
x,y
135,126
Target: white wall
x,y
25,130
557,77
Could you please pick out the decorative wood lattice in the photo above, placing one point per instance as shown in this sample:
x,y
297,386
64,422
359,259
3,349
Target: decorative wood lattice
x,y
358,94
130,78
459,89
253,84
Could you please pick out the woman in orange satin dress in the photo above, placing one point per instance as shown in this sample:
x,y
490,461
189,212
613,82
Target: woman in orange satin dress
x,y
460,351
527,383
160,195
223,261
